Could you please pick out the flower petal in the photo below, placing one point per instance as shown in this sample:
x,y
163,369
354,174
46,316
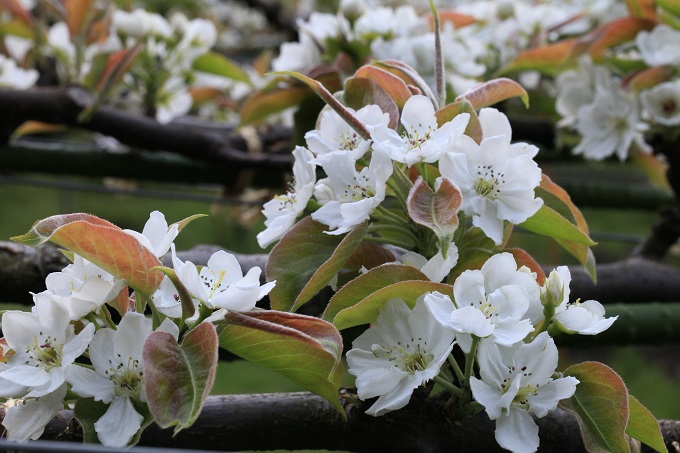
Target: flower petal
x,y
120,422
517,432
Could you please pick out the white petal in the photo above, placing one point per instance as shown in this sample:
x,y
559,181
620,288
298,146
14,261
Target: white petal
x,y
89,383
550,394
76,345
28,421
101,349
517,432
396,399
128,340
19,328
120,422
30,376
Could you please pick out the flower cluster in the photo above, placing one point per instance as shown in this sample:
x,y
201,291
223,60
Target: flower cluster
x,y
44,351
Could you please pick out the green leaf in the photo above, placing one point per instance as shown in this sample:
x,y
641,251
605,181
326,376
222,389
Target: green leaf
x,y
642,425
178,378
600,405
437,211
215,63
305,349
261,104
549,222
101,243
366,310
305,260
366,284
87,412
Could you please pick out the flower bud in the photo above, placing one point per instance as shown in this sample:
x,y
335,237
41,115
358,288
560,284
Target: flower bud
x,y
552,292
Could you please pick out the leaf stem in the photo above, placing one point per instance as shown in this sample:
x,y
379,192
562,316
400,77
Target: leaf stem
x,y
470,360
455,391
456,368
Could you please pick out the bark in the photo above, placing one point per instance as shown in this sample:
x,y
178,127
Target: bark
x,y
306,421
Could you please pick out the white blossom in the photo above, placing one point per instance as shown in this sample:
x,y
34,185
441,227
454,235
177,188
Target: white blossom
x,y
662,102
516,384
660,46
25,419
403,350
12,76
437,267
156,235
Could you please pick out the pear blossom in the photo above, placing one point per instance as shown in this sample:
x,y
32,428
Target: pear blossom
x,y
517,383
117,378
422,140
140,24
45,347
221,284
403,350
576,88
662,102
282,211
156,235
166,300
12,76
335,134
660,46
610,125
490,303
437,267
81,288
297,56
497,178
355,194
585,318
26,418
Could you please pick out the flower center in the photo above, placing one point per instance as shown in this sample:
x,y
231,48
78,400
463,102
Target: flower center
x,y
669,107
414,138
357,190
410,357
487,182
286,201
127,377
213,281
45,352
347,141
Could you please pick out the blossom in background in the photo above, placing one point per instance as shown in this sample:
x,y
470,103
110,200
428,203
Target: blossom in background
x,y
437,267
156,235
26,418
45,347
517,383
354,195
585,318
491,303
117,378
659,47
576,88
662,102
297,56
610,124
497,178
422,140
80,288
335,134
282,211
221,283
12,76
404,349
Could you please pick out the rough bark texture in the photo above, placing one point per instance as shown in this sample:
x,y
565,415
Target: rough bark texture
x,y
306,421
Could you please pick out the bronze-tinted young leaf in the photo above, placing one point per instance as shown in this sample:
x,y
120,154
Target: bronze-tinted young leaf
x,y
448,112
494,91
178,378
645,9
438,210
642,425
264,103
332,102
367,309
361,92
78,13
612,34
647,78
654,168
550,59
102,243
369,255
305,260
368,283
459,20
15,8
305,349
391,84
409,75
116,66
600,405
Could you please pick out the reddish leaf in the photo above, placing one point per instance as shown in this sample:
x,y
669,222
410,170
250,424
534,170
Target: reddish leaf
x,y
550,59
459,20
645,9
15,9
647,78
305,349
390,83
600,405
369,255
447,113
264,103
77,15
437,211
613,34
409,75
361,92
656,169
102,243
493,92
178,378
117,65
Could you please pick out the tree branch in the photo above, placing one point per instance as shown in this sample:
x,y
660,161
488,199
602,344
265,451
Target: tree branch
x,y
63,105
295,421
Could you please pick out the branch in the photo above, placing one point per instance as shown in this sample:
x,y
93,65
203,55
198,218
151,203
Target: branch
x,y
63,105
294,421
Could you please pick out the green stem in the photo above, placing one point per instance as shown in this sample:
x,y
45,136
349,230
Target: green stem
x,y
455,391
106,316
140,303
390,216
377,228
381,240
470,360
456,368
